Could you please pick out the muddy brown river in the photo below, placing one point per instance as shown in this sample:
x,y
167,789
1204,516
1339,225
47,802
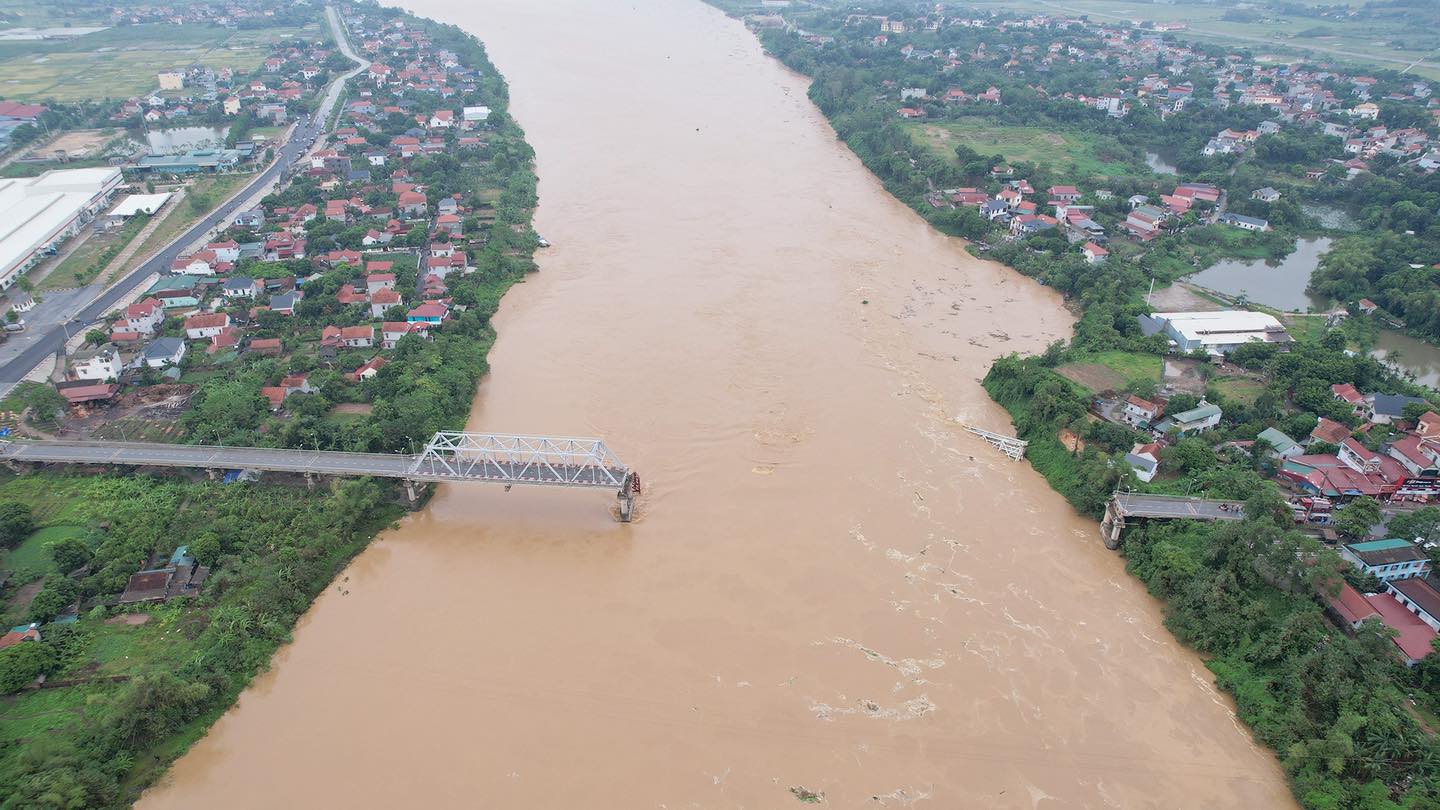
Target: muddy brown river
x,y
829,585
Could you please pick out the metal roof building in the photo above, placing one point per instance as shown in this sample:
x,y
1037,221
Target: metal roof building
x,y
1216,332
38,213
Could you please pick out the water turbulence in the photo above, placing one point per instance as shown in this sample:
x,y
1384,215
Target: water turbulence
x,y
828,587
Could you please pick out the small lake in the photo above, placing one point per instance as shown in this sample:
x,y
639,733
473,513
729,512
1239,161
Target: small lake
x,y
183,139
1331,217
1280,285
1415,356
1160,165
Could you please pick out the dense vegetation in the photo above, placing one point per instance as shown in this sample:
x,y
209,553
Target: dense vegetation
x,y
273,549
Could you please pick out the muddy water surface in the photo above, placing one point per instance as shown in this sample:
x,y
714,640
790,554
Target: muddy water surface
x,y
829,586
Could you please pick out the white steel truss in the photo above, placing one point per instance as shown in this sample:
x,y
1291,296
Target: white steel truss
x,y
566,462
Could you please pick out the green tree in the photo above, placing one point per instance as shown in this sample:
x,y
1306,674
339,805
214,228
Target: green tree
x,y
24,662
58,592
1423,524
69,553
1356,518
16,523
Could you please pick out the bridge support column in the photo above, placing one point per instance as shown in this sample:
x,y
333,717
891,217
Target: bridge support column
x,y
1112,525
210,473
310,481
629,488
410,491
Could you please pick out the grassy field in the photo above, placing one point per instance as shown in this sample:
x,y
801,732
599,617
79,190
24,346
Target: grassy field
x,y
1390,43
1113,371
87,260
31,560
1082,154
1239,390
216,189
122,62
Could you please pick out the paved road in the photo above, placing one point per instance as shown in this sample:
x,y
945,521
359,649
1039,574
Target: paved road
x,y
1171,506
67,315
143,454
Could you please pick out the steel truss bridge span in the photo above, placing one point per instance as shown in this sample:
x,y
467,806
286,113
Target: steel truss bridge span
x,y
449,457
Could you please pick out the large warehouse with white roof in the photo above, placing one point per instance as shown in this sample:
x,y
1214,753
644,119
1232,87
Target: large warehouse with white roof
x,y
38,213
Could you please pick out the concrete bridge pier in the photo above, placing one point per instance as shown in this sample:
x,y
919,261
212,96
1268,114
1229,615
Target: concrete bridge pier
x,y
411,493
629,490
211,473
1112,525
310,481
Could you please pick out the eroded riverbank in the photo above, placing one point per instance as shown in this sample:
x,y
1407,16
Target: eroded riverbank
x,y
828,585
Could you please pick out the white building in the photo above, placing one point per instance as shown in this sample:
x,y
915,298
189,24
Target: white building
x,y
100,364
476,115
37,214
1216,332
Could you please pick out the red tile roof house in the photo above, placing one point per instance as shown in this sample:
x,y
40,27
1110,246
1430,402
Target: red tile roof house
x,y
145,316
376,282
1367,307
275,394
1329,431
268,347
204,326
227,338
1350,395
370,369
1429,425
381,302
392,331
413,203
1064,193
354,337
1094,254
24,632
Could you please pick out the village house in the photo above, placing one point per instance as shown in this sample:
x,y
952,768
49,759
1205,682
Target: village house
x,y
1199,419
369,369
351,337
240,287
1144,461
163,352
1139,412
100,363
205,325
145,316
1387,559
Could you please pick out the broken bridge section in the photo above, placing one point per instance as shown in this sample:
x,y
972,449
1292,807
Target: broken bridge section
x,y
1124,505
449,457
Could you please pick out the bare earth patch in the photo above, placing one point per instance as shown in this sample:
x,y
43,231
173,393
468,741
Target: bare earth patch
x,y
132,619
1093,376
363,408
1181,297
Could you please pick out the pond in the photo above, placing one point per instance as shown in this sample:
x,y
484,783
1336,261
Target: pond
x,y
1280,285
1414,356
184,139
1160,165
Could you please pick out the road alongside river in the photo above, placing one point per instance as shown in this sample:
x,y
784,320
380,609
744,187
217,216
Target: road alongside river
x,y
829,586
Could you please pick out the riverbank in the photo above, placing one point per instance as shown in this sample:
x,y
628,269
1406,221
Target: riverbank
x,y
1232,594
147,674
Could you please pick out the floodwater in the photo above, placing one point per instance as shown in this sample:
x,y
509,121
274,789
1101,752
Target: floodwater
x,y
1160,165
1411,355
1280,285
184,139
828,586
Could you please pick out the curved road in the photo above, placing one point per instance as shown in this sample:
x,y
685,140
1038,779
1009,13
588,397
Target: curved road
x,y
307,128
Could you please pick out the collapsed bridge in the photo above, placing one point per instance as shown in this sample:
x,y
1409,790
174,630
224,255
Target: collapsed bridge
x,y
449,457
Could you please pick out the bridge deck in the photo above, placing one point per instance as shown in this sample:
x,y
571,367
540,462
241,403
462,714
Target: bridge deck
x,y
311,461
1174,507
